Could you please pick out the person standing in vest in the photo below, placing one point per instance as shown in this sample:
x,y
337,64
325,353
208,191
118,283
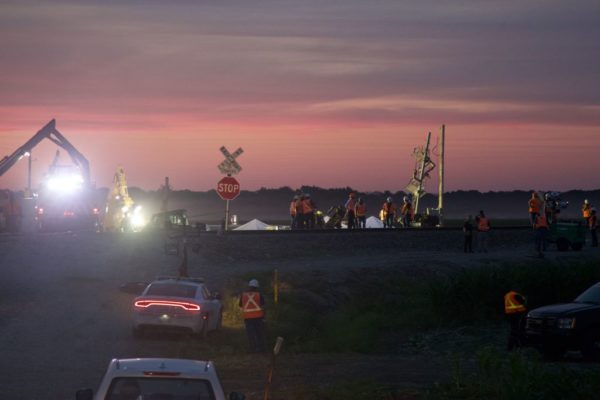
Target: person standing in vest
x,y
406,211
515,308
593,226
535,207
483,228
350,211
308,212
586,211
389,213
361,213
252,305
541,233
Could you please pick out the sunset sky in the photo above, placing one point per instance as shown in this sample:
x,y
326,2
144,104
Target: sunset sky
x,y
328,93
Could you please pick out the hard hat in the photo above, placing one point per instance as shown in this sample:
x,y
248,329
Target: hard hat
x,y
389,199
405,198
253,283
586,201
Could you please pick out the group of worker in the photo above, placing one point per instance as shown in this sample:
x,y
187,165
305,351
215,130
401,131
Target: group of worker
x,y
482,226
541,221
303,212
388,213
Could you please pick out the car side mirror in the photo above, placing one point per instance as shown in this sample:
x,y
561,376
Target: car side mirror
x,y
85,394
236,396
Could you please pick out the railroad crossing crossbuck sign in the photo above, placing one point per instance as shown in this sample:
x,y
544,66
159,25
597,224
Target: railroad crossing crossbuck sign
x,y
230,166
228,188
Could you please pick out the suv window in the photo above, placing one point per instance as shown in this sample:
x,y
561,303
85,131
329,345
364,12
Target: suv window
x,y
592,296
127,388
172,289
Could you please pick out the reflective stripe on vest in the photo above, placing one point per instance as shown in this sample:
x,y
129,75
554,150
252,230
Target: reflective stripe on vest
x,y
511,305
483,225
293,208
251,305
587,211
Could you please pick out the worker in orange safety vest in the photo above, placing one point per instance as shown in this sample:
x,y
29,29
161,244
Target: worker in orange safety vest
x,y
483,227
406,212
535,207
308,212
252,305
360,211
294,213
515,309
586,210
388,213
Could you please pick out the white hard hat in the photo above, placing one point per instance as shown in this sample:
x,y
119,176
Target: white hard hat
x,y
405,198
253,283
389,199
586,201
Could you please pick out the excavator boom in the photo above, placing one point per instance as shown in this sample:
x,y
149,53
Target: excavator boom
x,y
51,133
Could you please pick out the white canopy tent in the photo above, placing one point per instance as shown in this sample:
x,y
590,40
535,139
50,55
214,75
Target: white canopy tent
x,y
254,225
374,222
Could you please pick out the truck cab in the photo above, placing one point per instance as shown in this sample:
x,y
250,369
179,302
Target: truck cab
x,y
559,328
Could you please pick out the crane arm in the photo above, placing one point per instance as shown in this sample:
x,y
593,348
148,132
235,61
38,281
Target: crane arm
x,y
49,132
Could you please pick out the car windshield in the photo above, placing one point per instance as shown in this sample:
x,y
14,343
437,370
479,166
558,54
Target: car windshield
x,y
172,290
159,389
591,296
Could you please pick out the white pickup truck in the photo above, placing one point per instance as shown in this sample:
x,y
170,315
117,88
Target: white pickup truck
x,y
158,379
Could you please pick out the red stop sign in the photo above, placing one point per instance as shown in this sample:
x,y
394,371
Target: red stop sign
x,y
228,188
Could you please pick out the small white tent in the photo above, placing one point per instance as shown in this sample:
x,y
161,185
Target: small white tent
x,y
254,225
374,222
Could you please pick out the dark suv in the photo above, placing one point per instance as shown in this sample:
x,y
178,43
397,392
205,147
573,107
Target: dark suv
x,y
558,328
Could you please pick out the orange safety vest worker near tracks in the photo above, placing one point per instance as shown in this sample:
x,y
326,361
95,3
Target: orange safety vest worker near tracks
x,y
361,209
252,305
541,222
514,303
586,209
535,205
483,225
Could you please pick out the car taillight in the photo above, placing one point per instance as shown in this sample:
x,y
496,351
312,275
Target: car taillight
x,y
160,373
180,304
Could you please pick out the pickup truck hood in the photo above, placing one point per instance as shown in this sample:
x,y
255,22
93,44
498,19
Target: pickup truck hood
x,y
560,309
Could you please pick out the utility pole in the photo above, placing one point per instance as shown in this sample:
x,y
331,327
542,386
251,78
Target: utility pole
x,y
422,172
441,177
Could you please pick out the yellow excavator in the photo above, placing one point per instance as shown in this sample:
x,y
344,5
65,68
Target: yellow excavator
x,y
121,214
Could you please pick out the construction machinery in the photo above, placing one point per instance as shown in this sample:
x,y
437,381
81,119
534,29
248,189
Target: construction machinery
x,y
64,199
121,212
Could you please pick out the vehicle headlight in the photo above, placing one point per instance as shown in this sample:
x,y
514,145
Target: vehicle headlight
x,y
566,323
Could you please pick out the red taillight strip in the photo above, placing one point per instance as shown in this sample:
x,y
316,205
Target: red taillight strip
x,y
180,304
158,373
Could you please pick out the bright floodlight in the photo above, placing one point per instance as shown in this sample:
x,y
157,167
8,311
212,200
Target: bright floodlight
x,y
65,183
137,218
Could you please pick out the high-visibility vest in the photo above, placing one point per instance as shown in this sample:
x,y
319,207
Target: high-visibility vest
x,y
511,305
298,206
251,307
307,206
587,211
361,210
483,225
535,205
293,208
541,222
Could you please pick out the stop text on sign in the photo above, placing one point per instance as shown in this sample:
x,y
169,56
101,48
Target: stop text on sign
x,y
228,188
